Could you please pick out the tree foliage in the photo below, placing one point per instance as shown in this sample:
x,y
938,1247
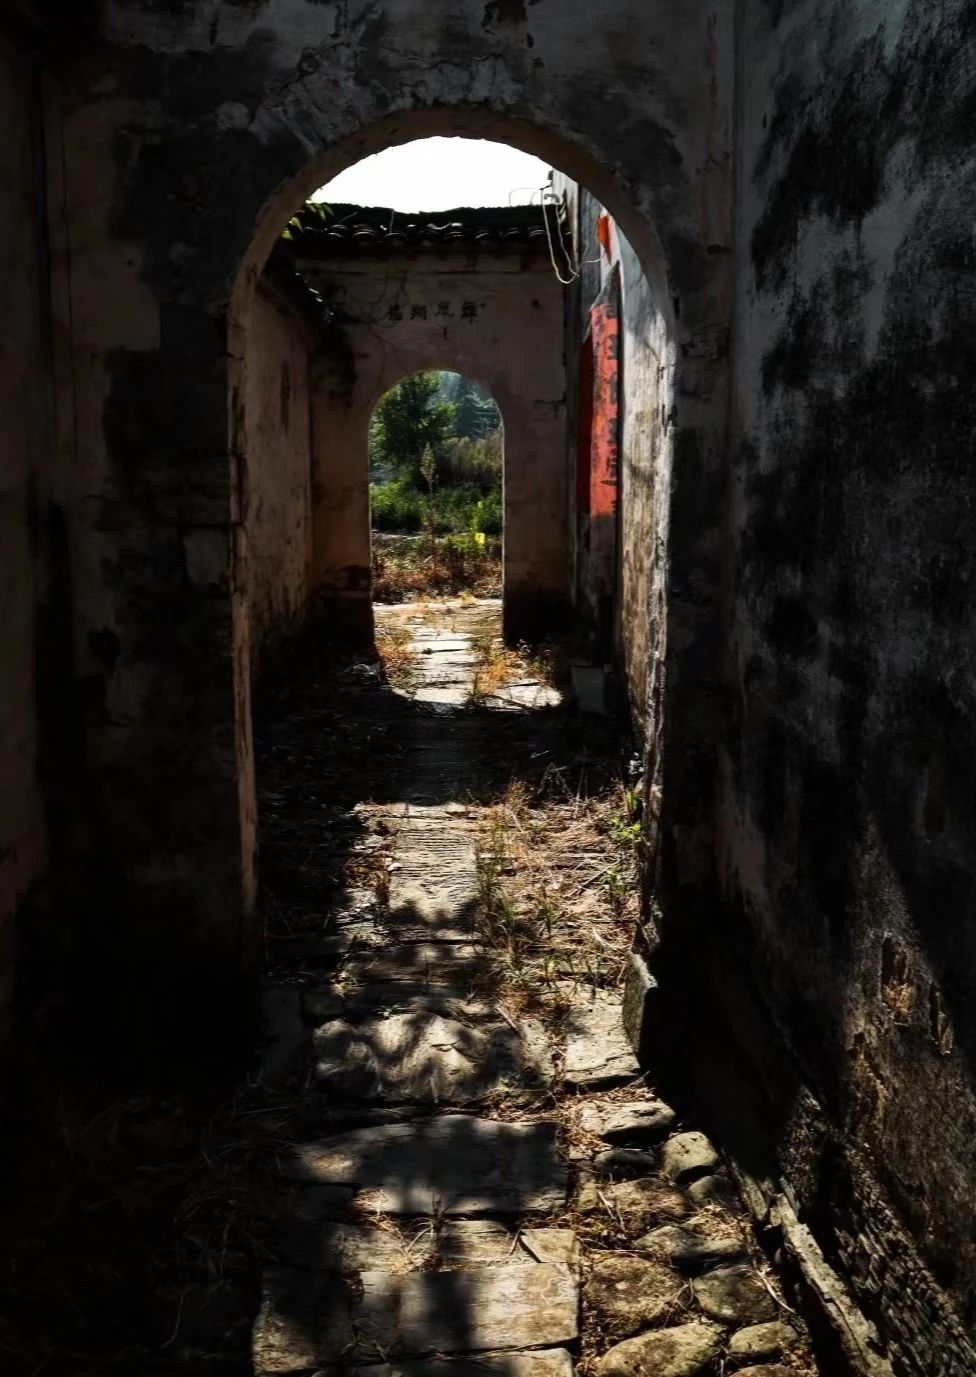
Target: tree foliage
x,y
476,462
410,419
475,413
436,457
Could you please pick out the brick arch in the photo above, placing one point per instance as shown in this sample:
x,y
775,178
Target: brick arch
x,y
566,150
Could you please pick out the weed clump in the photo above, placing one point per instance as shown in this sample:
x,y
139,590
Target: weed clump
x,y
406,568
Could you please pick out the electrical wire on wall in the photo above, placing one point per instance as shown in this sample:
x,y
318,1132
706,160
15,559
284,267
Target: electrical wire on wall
x,y
573,264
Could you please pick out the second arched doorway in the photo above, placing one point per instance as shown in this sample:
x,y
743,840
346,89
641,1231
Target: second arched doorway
x,y
469,291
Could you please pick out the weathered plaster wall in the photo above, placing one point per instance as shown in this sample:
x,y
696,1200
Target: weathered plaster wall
x,y
645,475
24,478
647,366
279,457
847,823
495,318
837,557
189,134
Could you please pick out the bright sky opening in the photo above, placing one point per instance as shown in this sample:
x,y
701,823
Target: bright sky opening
x,y
440,174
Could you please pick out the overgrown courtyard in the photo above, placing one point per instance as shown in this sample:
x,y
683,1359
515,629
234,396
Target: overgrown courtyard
x,y
436,461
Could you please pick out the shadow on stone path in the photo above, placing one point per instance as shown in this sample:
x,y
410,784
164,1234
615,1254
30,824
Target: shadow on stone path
x,y
476,1190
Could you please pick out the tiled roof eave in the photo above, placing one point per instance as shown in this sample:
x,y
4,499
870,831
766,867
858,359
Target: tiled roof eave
x,y
352,231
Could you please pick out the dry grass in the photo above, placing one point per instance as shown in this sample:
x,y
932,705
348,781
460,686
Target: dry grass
x,y
417,569
497,666
557,895
557,900
370,870
900,999
399,661
138,1230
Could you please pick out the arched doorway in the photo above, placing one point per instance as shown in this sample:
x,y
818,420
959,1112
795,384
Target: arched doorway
x,y
477,295
343,525
436,489
161,513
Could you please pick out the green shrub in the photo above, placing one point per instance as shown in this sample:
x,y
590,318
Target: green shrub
x,y
396,507
486,515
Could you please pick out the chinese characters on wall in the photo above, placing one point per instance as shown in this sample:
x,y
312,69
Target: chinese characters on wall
x,y
465,310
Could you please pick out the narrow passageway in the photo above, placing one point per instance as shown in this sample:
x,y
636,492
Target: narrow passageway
x,y
480,1172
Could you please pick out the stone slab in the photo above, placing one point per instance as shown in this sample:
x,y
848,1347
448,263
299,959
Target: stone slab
x,y
455,696
734,1295
454,1164
427,964
767,1370
624,1161
598,1051
530,694
688,1156
464,1311
324,1005
443,652
625,1294
359,1002
477,1243
432,909
418,915
638,1205
695,1246
447,847
639,988
684,1350
354,1247
628,1125
547,1362
551,1245
762,1343
340,1118
308,1320
716,1190
425,1056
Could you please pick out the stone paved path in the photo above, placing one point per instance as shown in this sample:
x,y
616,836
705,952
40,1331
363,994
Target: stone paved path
x,y
482,1192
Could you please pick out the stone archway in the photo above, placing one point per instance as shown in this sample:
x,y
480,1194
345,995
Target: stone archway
x,y
192,198
696,431
480,299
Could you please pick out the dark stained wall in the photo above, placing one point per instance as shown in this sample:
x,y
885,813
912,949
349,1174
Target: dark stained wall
x,y
24,470
846,828
190,134
842,828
